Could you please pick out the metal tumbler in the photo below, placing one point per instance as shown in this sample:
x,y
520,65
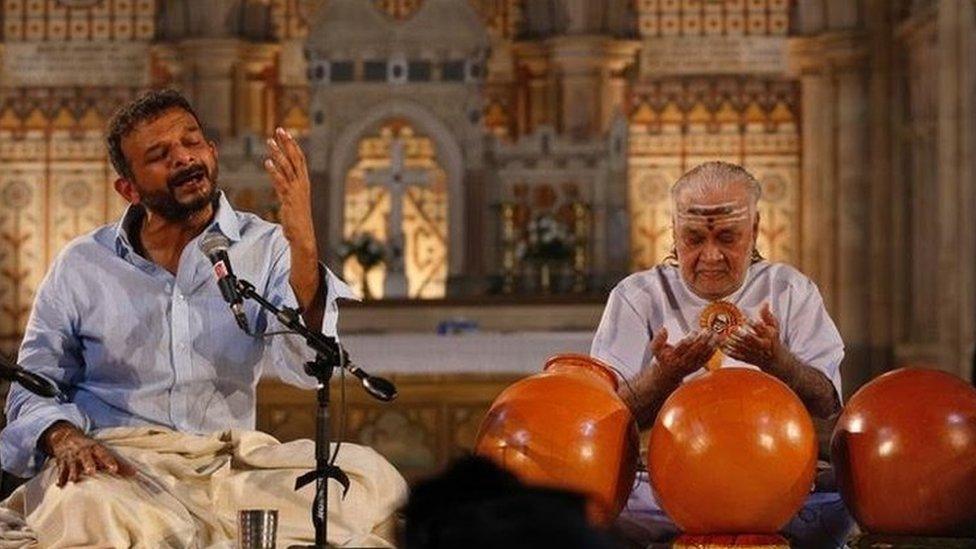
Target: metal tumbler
x,y
256,528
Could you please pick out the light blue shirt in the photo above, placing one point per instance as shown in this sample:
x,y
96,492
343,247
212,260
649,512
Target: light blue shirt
x,y
129,343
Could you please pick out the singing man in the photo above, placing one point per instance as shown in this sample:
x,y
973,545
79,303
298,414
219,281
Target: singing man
x,y
153,443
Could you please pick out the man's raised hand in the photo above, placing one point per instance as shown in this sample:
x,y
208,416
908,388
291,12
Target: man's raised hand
x,y
757,342
289,175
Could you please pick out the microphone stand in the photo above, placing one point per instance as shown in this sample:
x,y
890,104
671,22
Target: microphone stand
x,y
328,355
39,385
34,383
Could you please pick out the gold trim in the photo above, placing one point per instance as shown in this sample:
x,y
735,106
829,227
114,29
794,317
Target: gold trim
x,y
722,318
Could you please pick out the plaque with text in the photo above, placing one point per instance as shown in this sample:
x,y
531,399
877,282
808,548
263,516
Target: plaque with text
x,y
44,64
713,55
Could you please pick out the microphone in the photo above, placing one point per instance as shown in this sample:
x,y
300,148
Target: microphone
x,y
34,383
214,246
380,388
327,347
376,386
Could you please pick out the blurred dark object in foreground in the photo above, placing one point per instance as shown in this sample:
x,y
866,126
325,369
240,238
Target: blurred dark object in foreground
x,y
475,504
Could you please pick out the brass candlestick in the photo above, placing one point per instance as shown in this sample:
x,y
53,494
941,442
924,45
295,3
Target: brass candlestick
x,y
509,243
581,217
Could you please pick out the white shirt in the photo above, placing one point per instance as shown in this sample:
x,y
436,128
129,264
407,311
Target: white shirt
x,y
643,302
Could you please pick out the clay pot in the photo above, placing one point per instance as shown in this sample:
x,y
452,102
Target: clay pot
x,y
566,428
904,450
732,452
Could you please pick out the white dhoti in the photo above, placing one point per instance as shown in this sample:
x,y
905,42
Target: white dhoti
x,y
189,488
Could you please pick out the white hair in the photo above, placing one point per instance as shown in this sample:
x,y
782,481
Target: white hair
x,y
716,176
710,178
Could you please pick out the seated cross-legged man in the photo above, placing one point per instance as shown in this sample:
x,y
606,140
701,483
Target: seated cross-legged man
x,y
152,444
650,332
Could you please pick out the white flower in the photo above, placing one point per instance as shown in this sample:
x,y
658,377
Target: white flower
x,y
520,249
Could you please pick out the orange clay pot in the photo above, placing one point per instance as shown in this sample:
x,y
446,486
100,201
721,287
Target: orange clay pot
x,y
732,452
566,428
904,450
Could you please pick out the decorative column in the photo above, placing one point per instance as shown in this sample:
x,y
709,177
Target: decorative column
x,y
936,135
836,208
884,188
535,98
853,266
956,50
816,228
590,88
227,81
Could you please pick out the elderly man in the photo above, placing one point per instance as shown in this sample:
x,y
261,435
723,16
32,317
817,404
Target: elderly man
x,y
152,445
650,330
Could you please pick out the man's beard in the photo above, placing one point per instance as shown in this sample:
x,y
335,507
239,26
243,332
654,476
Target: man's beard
x,y
164,203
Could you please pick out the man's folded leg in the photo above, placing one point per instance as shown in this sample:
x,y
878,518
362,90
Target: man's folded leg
x,y
188,490
105,511
263,476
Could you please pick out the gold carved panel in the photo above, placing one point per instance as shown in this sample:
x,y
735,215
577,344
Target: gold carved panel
x,y
55,184
78,20
657,18
677,124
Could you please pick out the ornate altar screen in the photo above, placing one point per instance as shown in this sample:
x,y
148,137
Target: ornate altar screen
x,y
424,226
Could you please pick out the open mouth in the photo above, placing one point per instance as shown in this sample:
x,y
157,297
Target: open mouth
x,y
192,176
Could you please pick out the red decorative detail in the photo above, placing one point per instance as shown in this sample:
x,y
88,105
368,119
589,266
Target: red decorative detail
x,y
220,269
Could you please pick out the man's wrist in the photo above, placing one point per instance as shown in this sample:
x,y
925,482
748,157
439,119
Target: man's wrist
x,y
306,247
57,433
300,235
665,379
781,363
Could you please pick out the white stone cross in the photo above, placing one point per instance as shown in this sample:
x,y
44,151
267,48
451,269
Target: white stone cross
x,y
396,178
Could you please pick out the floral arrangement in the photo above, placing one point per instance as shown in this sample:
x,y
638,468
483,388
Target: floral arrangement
x,y
367,250
546,239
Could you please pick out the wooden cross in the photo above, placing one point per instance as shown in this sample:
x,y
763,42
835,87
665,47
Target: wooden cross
x,y
397,178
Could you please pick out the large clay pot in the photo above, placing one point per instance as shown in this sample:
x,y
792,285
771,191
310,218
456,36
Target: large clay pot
x,y
566,428
732,452
904,450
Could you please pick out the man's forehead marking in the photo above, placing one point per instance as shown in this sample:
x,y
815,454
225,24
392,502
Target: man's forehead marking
x,y
697,222
714,214
710,210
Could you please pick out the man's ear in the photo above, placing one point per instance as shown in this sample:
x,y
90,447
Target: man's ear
x,y
127,190
213,148
755,229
